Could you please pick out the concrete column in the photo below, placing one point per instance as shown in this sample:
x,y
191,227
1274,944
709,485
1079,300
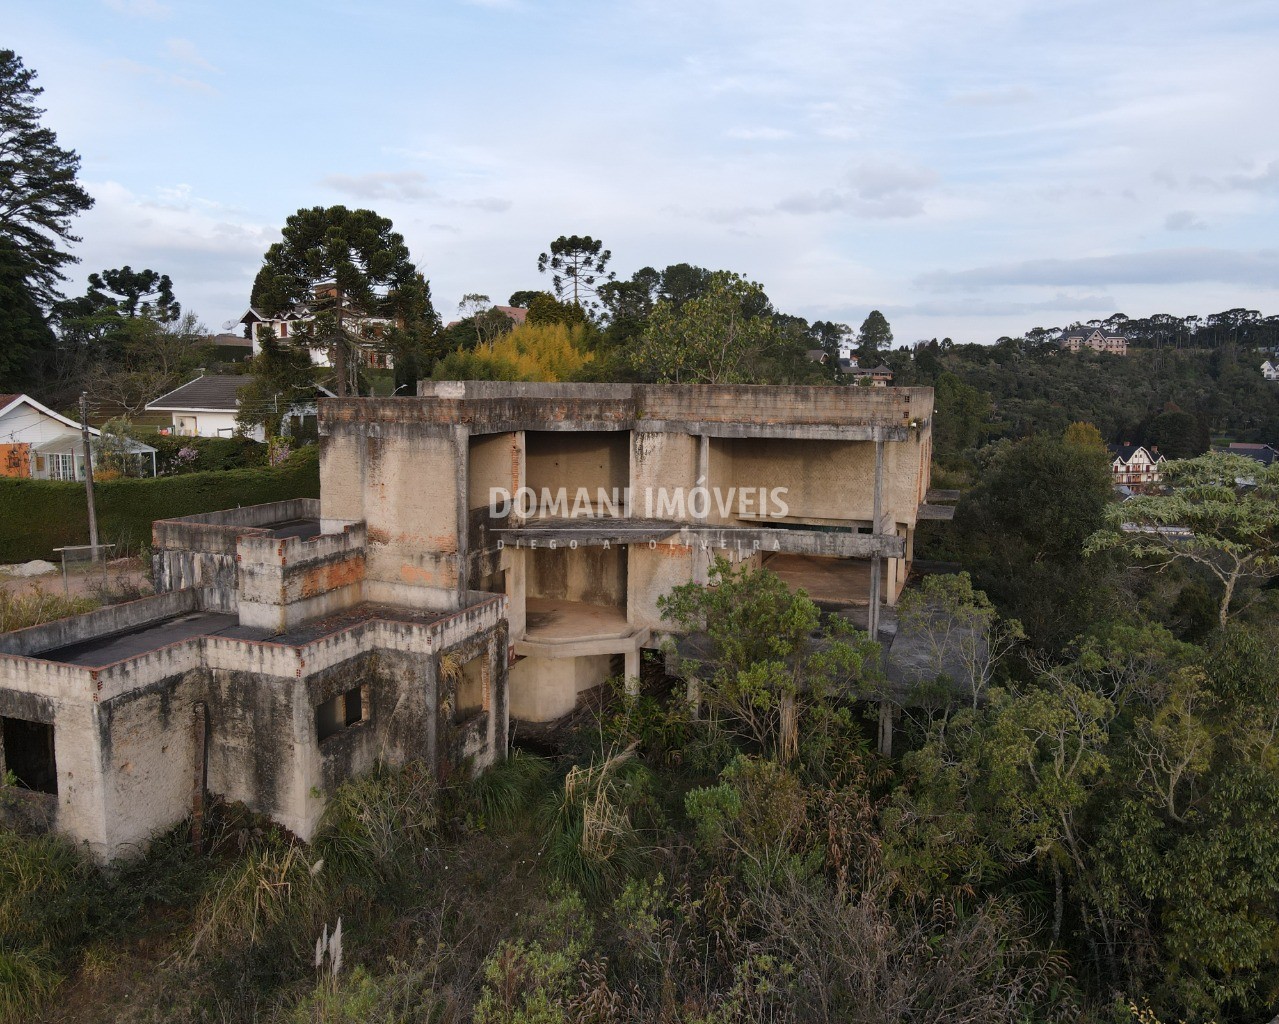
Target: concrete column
x,y
516,591
461,467
519,461
876,527
632,672
702,559
886,728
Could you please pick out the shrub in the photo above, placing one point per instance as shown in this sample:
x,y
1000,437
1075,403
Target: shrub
x,y
41,515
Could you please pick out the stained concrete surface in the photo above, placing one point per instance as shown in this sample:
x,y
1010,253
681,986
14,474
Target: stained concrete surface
x,y
553,621
305,528
838,581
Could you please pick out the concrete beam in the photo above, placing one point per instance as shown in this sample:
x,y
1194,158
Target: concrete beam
x,y
597,532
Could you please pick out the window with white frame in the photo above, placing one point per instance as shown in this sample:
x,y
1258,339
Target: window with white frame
x,y
62,467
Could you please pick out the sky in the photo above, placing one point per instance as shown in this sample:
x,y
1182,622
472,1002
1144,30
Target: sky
x,y
970,169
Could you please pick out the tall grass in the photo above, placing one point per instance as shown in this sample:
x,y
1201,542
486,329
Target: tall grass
x,y
511,787
19,610
591,840
377,828
27,980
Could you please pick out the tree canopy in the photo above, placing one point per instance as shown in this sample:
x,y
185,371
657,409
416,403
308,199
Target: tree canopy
x,y
1221,514
578,264
718,337
39,194
362,263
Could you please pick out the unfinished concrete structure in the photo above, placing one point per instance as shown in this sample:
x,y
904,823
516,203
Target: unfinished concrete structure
x,y
646,484
263,671
476,533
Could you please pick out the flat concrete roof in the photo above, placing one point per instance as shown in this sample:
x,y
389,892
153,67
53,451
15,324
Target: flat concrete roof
x,y
106,650
305,528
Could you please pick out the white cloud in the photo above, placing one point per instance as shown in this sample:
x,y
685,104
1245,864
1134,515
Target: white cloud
x,y
760,134
1254,269
382,185
133,67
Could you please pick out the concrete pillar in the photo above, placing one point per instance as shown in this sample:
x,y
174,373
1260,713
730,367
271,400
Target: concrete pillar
x,y
516,591
461,467
702,559
632,672
876,527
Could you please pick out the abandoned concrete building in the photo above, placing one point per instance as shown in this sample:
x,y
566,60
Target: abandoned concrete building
x,y
584,504
482,552
263,670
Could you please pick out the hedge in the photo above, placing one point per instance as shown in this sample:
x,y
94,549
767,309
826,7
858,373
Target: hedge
x,y
37,516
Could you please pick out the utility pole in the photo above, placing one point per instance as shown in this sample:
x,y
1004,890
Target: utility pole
x,y
88,472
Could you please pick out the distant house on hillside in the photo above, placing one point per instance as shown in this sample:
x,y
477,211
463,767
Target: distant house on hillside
x,y
209,405
1095,339
1263,453
38,443
291,326
516,314
877,377
1134,466
1269,370
205,407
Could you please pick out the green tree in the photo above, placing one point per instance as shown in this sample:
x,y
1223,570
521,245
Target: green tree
x,y
958,630
521,299
25,336
961,416
577,263
147,358
282,374
710,339
763,673
135,293
874,337
344,265
1025,523
1222,515
38,190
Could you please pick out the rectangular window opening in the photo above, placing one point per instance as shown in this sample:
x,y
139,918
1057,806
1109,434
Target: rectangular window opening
x,y
472,688
341,712
28,754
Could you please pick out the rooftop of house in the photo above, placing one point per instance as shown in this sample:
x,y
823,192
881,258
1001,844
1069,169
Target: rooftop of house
x,y
1263,453
1127,450
207,393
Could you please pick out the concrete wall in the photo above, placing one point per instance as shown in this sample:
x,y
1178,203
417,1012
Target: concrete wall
x,y
199,550
544,689
114,618
592,575
285,582
125,745
593,460
403,482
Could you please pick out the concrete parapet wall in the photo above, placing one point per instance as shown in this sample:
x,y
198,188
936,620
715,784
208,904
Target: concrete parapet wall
x,y
115,618
490,406
200,550
285,582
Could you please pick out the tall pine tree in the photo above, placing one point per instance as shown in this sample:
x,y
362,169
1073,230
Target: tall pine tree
x,y
38,198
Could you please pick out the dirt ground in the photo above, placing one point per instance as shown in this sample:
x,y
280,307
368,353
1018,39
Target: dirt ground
x,y
119,580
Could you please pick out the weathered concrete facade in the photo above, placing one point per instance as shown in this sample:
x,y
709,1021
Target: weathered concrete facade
x,y
659,479
270,681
